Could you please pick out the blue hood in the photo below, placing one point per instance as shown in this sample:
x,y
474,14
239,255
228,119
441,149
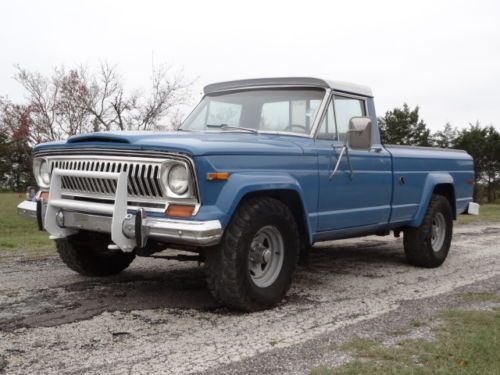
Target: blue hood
x,y
193,143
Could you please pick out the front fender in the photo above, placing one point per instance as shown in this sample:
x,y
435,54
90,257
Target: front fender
x,y
433,179
241,184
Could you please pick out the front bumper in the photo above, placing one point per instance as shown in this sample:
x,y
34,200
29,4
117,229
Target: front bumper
x,y
182,232
62,217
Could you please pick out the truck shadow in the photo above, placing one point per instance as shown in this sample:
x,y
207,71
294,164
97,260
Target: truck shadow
x,y
157,284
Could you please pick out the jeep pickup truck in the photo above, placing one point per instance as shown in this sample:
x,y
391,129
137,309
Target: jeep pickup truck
x,y
259,171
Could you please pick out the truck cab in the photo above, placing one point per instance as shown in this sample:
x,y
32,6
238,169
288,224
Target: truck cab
x,y
259,171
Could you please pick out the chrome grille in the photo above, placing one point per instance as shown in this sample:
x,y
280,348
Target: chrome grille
x,y
143,177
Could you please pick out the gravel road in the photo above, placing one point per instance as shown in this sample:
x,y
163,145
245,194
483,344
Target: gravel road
x,y
159,317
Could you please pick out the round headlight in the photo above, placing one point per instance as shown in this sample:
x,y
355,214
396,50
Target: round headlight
x,y
44,172
178,179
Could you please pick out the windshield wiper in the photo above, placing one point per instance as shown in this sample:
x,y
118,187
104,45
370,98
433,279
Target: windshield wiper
x,y
226,126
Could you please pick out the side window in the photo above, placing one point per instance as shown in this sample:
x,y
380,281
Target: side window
x,y
345,109
224,113
328,128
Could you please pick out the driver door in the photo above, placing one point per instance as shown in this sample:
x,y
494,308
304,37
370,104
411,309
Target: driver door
x,y
349,201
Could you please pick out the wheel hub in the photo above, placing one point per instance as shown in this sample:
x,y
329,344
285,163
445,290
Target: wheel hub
x,y
265,258
438,232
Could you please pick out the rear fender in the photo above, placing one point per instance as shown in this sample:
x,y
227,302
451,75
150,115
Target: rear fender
x,y
433,179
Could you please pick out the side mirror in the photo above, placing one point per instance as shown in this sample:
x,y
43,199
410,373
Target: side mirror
x,y
359,135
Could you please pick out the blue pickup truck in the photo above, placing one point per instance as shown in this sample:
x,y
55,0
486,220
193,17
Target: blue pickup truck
x,y
259,171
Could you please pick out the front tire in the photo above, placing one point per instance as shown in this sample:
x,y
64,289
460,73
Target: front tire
x,y
252,268
87,253
429,244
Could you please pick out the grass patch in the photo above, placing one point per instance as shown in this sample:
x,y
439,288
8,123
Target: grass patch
x,y
487,212
18,233
481,297
468,342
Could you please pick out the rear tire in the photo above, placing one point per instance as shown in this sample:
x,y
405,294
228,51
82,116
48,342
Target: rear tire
x,y
429,244
252,268
87,253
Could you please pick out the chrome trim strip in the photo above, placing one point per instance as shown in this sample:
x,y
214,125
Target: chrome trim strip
x,y
321,112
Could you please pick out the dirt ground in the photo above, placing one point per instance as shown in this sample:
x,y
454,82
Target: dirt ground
x,y
158,317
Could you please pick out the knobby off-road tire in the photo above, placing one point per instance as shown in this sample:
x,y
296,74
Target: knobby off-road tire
x,y
232,277
429,244
87,253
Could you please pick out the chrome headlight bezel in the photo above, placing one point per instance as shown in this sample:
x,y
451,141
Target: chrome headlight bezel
x,y
178,179
169,169
42,172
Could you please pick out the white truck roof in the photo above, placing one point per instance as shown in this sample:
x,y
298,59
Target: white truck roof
x,y
347,87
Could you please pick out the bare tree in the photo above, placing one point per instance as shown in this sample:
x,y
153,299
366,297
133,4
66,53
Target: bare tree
x,y
78,100
167,92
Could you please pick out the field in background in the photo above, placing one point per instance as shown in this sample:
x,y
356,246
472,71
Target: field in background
x,y
17,233
487,212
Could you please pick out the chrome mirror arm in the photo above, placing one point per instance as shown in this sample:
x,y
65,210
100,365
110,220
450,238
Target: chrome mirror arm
x,y
332,174
345,150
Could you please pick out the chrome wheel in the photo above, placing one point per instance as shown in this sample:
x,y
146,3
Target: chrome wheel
x,y
265,258
438,232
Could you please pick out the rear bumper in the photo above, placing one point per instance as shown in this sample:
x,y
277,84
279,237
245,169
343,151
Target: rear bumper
x,y
472,208
184,232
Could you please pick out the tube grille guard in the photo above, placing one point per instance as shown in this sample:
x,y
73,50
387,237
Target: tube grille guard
x,y
118,210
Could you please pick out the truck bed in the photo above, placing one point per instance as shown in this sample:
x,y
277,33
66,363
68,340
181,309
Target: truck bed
x,y
416,168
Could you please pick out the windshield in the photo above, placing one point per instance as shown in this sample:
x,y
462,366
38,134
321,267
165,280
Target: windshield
x,y
276,110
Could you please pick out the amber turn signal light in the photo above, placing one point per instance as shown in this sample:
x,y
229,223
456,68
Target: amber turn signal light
x,y
179,210
217,176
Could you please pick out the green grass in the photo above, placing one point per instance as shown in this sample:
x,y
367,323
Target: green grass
x,y
18,233
487,212
481,297
468,342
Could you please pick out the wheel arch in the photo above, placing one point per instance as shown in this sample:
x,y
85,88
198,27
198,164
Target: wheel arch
x,y
440,183
282,187
291,199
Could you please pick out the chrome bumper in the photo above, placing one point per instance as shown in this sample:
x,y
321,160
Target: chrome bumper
x,y
62,217
27,209
183,232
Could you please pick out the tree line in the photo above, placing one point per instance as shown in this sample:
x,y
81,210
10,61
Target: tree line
x,y
81,100
403,126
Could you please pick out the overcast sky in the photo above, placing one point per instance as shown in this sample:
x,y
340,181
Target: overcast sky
x,y
442,55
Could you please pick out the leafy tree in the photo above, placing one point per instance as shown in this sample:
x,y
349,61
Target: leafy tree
x,y
483,144
403,126
445,138
15,164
